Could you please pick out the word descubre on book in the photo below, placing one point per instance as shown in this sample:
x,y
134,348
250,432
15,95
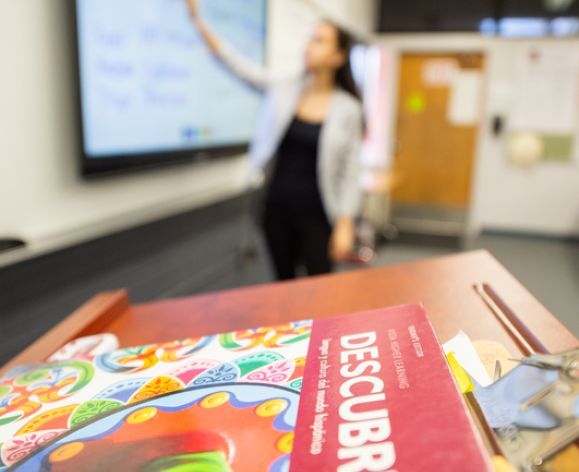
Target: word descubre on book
x,y
363,433
368,391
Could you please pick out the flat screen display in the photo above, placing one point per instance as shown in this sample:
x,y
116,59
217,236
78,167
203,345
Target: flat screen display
x,y
150,89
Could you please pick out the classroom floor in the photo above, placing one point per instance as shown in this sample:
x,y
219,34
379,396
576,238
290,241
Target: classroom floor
x,y
548,268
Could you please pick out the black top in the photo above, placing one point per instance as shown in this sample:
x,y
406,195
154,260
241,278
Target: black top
x,y
295,178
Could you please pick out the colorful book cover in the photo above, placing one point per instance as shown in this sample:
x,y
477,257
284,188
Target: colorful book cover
x,y
367,391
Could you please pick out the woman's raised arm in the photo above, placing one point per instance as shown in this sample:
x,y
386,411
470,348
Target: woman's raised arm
x,y
255,74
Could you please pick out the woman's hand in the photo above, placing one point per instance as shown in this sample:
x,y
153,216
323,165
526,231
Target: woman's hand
x,y
342,240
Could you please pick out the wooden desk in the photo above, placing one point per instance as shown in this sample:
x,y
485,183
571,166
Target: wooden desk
x,y
444,286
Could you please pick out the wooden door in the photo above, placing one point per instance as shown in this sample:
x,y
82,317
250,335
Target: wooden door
x,y
434,154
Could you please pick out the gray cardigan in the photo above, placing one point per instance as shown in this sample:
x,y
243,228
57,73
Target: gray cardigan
x,y
340,140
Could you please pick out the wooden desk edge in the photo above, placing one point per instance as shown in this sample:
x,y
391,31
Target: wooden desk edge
x,y
90,318
304,281
94,316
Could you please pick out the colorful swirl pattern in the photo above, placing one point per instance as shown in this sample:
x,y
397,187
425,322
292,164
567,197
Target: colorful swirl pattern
x,y
38,404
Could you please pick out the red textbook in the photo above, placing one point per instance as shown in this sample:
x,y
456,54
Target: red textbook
x,y
364,392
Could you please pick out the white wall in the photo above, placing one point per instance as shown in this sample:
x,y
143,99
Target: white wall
x,y
359,16
293,22
542,199
42,198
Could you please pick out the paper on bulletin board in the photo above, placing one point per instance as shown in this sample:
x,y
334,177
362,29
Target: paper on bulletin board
x,y
559,148
439,72
464,105
547,90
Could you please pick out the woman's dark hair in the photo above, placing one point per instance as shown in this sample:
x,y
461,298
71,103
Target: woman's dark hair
x,y
344,75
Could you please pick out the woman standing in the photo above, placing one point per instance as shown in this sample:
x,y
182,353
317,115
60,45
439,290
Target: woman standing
x,y
307,145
